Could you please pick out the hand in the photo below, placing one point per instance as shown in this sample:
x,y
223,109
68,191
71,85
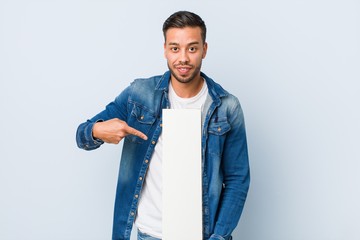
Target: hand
x,y
114,130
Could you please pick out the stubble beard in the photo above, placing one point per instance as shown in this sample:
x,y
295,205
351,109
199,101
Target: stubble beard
x,y
185,79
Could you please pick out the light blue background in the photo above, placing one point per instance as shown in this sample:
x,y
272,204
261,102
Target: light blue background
x,y
295,66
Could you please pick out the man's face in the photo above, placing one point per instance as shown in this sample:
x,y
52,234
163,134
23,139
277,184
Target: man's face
x,y
184,51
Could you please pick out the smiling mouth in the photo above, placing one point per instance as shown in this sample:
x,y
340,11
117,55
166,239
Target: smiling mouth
x,y
183,69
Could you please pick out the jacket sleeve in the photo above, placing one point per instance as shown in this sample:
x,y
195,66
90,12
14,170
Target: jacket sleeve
x,y
115,109
236,176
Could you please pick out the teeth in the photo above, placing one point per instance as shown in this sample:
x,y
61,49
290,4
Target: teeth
x,y
183,70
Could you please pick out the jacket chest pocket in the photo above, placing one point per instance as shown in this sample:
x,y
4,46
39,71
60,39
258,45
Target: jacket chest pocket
x,y
217,134
141,119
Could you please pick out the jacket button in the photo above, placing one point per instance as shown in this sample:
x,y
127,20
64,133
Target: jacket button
x,y
142,117
140,178
146,161
132,213
136,196
153,142
219,129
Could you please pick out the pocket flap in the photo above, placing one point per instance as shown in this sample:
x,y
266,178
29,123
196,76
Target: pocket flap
x,y
142,115
219,127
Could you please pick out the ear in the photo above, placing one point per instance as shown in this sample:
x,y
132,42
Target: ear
x,y
165,49
205,47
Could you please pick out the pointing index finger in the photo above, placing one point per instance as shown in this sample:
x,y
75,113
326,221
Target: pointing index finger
x,y
135,132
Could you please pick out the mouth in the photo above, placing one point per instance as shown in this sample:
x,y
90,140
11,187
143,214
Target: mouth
x,y
183,70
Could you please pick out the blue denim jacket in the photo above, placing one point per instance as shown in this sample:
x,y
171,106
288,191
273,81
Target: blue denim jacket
x,y
225,166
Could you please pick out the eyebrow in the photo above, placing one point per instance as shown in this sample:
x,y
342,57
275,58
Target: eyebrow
x,y
177,44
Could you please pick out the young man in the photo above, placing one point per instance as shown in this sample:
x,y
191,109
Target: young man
x,y
136,116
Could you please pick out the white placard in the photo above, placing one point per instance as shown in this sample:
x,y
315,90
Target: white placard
x,y
182,184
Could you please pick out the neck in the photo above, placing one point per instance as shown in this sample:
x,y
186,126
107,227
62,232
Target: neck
x,y
187,90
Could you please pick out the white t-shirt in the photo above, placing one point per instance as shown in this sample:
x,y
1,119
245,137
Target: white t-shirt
x,y
149,213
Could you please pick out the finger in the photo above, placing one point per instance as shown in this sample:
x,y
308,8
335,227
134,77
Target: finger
x,y
135,132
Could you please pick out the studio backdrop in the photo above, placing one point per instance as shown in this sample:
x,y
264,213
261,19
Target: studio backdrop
x,y
294,65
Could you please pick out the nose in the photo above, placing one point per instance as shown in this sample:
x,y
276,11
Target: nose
x,y
184,58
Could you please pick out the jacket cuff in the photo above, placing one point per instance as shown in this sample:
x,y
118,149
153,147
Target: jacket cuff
x,y
216,237
90,142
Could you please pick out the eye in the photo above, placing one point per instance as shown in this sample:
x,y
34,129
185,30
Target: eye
x,y
192,49
174,49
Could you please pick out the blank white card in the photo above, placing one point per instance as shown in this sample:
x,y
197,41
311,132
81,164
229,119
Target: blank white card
x,y
182,190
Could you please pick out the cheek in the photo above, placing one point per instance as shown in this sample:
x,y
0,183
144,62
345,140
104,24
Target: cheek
x,y
170,58
198,58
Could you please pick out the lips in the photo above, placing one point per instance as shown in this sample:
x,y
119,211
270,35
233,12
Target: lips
x,y
183,69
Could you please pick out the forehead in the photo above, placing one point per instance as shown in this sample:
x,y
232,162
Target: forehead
x,y
183,35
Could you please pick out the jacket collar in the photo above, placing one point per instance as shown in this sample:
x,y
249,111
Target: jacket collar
x,y
215,90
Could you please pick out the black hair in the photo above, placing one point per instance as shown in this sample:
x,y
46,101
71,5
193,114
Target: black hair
x,y
184,19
